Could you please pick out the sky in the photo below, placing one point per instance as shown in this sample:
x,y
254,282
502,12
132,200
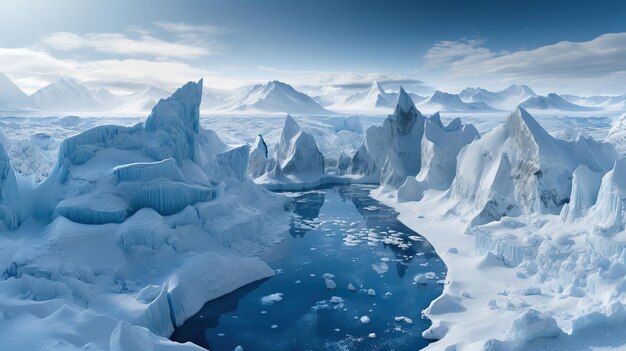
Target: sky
x,y
324,46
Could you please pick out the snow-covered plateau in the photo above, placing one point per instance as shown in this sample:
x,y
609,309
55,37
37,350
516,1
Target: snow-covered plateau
x,y
114,231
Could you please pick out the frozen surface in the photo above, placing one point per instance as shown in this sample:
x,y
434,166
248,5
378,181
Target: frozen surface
x,y
133,229
106,220
527,271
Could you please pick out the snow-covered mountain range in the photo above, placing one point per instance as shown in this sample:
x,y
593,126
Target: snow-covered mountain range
x,y
275,97
67,95
505,99
445,102
552,102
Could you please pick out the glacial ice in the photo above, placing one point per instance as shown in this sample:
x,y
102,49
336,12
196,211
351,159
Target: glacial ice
x,y
297,151
137,228
440,148
12,199
397,144
259,158
533,324
518,168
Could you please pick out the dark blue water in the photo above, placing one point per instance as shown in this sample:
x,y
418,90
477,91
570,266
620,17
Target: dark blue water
x,y
340,231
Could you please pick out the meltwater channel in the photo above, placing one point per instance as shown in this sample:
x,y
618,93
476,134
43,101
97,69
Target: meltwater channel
x,y
350,276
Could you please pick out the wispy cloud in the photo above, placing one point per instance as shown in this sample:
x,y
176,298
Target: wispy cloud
x,y
181,27
121,44
31,69
448,51
595,66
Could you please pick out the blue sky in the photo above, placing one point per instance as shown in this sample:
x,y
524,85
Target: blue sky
x,y
567,46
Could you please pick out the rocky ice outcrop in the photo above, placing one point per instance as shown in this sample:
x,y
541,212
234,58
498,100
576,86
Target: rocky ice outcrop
x,y
297,152
392,152
585,186
343,163
518,168
607,215
440,147
12,202
259,160
617,134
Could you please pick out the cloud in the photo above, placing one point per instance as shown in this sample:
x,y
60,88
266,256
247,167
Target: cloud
x,y
447,51
180,27
121,44
595,66
31,69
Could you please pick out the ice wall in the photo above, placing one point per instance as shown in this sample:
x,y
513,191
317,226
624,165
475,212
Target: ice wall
x,y
396,144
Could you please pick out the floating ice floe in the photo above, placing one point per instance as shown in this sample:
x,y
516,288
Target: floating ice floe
x,y
272,298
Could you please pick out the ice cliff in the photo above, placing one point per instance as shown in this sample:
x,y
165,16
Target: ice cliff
x,y
518,168
12,203
392,152
440,147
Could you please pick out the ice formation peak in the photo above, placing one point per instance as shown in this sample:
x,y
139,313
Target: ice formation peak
x,y
184,104
297,152
619,175
436,118
291,128
404,103
260,144
179,116
521,118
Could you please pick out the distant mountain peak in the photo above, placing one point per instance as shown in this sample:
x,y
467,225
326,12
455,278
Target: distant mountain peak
x,y
12,98
276,96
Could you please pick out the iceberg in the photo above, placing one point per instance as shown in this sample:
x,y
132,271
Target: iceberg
x,y
297,152
394,147
518,168
440,148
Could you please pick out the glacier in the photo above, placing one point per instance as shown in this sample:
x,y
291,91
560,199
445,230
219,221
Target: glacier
x,y
129,229
136,227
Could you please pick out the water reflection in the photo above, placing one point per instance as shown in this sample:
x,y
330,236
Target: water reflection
x,y
306,208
